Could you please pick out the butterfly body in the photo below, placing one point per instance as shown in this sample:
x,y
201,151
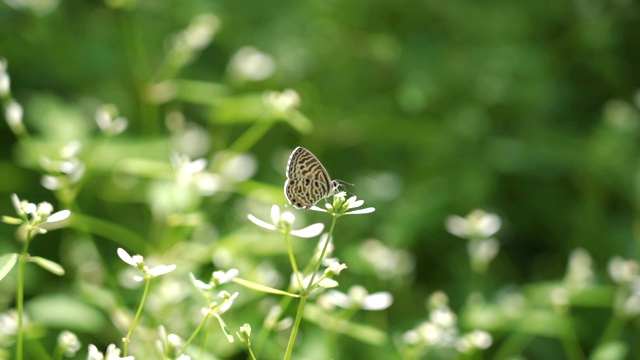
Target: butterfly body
x,y
307,180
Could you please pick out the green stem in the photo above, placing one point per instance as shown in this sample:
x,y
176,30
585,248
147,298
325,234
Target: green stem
x,y
24,256
252,135
296,326
204,342
195,333
253,357
126,340
613,330
292,258
305,293
322,254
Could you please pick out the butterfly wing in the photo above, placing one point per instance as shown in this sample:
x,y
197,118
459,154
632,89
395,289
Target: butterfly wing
x,y
304,193
307,180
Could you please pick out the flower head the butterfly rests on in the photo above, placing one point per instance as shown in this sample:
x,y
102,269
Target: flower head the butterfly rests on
x,y
342,206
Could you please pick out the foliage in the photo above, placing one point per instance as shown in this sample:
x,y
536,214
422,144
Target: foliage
x,y
160,125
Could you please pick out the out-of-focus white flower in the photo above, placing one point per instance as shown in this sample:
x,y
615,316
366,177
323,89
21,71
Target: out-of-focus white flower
x,y
477,339
251,64
69,343
281,102
225,300
579,270
478,224
13,113
482,252
109,122
387,263
245,334
38,7
358,298
113,353
623,271
5,81
217,278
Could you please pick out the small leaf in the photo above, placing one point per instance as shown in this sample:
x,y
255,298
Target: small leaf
x,y
263,288
48,265
7,261
11,220
225,329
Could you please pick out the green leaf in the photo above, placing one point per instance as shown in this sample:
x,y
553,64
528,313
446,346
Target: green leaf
x,y
11,220
48,265
110,230
613,350
7,261
262,288
225,328
64,311
363,332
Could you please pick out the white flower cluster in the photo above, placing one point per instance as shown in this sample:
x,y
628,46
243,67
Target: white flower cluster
x,y
478,227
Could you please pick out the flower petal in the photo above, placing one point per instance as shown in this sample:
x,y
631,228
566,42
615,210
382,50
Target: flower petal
x,y
377,301
338,298
361,211
59,216
489,225
275,214
261,223
124,255
309,231
457,226
161,270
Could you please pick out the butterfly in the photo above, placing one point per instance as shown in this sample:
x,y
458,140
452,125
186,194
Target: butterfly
x,y
307,180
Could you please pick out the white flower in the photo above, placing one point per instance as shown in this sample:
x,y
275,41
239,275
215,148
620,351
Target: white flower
x,y
283,222
220,308
37,217
13,113
281,101
5,84
251,64
222,277
108,120
387,263
137,261
335,268
474,340
9,322
342,206
623,271
478,224
113,353
217,278
359,298
443,316
69,343
579,270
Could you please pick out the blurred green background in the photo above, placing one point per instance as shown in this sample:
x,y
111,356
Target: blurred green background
x,y
526,109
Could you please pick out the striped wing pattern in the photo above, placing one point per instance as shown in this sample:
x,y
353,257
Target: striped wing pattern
x,y
307,180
